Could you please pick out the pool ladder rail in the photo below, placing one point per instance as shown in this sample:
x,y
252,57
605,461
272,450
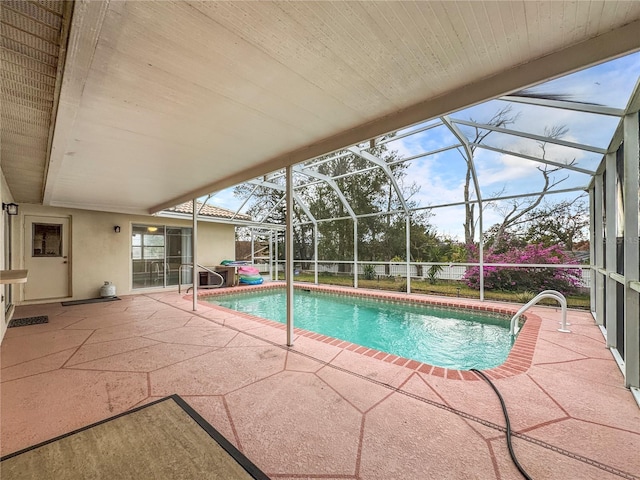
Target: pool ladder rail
x,y
207,269
545,294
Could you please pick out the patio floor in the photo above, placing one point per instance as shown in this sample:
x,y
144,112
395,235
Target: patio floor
x,y
323,409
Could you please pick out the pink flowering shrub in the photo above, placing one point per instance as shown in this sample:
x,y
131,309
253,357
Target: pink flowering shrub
x,y
564,280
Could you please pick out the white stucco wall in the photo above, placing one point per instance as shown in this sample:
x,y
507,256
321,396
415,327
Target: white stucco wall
x,y
98,254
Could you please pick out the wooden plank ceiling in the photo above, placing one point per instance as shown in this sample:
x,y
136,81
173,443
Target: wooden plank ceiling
x,y
31,34
163,101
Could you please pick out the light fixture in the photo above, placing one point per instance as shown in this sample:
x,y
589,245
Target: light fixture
x,y
10,208
116,229
152,229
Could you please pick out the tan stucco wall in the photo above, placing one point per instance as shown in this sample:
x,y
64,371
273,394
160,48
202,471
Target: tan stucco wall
x,y
99,254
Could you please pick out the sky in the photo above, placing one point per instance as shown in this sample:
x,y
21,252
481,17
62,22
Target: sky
x,y
440,177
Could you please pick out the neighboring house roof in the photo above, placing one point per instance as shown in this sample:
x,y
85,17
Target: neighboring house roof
x,y
208,211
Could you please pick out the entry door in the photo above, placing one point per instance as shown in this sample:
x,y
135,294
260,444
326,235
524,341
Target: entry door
x,y
46,253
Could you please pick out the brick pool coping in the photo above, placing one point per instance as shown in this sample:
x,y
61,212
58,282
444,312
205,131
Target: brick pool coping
x,y
518,361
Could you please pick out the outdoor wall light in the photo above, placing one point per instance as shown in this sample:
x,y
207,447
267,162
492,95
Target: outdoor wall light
x,y
116,229
10,208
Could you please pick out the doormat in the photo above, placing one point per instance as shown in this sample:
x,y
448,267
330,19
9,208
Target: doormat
x,y
22,322
163,439
89,300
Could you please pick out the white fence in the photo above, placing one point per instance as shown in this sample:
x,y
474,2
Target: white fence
x,y
417,270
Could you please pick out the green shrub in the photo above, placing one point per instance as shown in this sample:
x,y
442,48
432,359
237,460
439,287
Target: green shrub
x,y
369,272
525,297
433,272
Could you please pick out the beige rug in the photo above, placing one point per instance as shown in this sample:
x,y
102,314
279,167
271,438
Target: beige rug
x,y
165,440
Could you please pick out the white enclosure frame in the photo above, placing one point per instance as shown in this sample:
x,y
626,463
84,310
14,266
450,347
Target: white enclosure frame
x,y
617,314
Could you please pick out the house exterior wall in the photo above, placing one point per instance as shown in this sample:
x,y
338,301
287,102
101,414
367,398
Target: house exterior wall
x,y
98,254
5,193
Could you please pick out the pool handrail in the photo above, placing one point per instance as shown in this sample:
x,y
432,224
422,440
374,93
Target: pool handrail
x,y
190,265
544,294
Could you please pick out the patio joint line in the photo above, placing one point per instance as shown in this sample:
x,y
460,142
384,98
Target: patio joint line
x,y
227,411
65,366
428,385
460,413
32,374
566,347
543,390
489,424
492,453
575,456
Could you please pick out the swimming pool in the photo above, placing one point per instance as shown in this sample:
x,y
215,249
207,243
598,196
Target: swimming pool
x,y
449,338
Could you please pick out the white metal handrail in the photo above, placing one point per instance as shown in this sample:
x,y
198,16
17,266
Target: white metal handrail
x,y
545,294
188,265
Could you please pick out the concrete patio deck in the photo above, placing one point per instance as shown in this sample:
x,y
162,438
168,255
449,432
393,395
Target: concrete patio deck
x,y
323,409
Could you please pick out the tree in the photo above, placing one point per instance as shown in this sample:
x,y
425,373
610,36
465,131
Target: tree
x,y
380,237
562,223
501,118
516,211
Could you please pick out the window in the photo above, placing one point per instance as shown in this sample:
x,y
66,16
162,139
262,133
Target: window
x,y
47,240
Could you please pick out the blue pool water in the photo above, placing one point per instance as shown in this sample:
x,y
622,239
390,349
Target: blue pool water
x,y
442,337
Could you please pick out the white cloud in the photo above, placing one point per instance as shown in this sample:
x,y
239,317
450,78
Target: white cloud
x,y
433,188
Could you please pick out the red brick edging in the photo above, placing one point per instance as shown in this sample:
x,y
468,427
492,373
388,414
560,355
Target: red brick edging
x,y
518,361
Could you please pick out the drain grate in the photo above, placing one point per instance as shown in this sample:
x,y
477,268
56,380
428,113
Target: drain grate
x,y
22,322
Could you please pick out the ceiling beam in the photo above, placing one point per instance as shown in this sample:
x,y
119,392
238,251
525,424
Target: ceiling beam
x,y
410,133
532,136
425,154
535,159
86,26
565,105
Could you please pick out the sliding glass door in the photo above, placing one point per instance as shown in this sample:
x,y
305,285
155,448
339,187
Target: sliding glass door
x,y
178,252
157,251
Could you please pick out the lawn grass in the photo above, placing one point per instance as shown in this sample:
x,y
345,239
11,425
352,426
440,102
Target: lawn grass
x,y
448,288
